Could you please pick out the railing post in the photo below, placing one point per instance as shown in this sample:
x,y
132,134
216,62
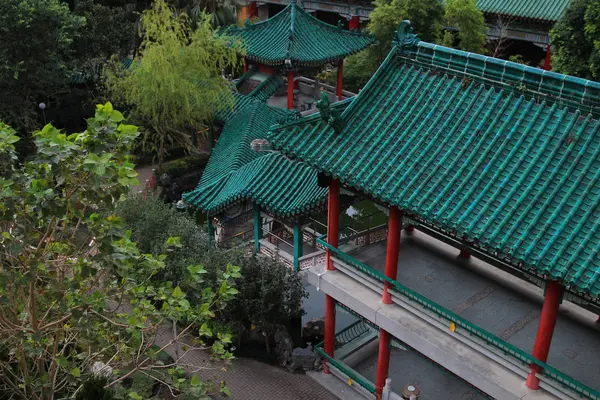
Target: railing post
x,y
298,250
393,249
383,362
333,218
257,228
545,331
387,389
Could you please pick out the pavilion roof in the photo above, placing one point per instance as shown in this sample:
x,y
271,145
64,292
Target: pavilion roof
x,y
235,172
543,10
293,34
502,156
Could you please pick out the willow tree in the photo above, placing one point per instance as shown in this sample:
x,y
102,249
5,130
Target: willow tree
x,y
176,84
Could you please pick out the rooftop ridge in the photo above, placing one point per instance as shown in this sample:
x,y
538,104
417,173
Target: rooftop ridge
x,y
543,85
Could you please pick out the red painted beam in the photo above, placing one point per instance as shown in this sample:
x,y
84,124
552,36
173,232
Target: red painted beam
x,y
340,79
383,362
333,218
290,90
329,345
545,330
393,250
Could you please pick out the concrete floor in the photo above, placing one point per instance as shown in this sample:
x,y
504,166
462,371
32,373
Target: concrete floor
x,y
299,103
408,367
432,269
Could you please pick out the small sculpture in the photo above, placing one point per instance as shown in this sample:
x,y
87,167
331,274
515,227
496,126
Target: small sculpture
x,y
405,36
331,116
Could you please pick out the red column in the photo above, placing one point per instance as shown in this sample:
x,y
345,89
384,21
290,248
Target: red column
x,y
340,78
464,254
548,61
290,94
252,10
545,330
354,23
333,218
393,249
329,345
333,221
383,362
245,65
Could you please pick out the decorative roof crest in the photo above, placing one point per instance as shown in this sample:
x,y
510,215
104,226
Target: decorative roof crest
x,y
404,36
331,116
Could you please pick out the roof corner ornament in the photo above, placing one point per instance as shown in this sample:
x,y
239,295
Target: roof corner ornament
x,y
405,36
331,116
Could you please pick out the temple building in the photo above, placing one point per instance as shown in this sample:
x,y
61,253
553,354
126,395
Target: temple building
x,y
476,273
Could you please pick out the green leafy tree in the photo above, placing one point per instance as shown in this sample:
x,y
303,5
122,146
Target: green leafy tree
x,y
576,40
36,51
470,22
427,17
79,311
177,83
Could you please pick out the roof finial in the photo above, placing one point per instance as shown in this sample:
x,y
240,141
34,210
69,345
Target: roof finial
x,y
405,36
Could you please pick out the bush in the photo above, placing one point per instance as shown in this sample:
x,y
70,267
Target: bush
x,y
152,222
184,165
270,294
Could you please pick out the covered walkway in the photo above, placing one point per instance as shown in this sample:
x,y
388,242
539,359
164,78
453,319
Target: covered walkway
x,y
494,302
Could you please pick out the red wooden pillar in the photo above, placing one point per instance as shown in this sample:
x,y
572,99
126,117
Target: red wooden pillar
x,y
245,65
333,219
545,330
329,339
340,79
393,249
548,61
383,362
290,92
464,254
252,10
354,23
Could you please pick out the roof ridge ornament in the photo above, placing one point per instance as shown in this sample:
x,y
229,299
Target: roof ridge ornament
x,y
405,37
331,116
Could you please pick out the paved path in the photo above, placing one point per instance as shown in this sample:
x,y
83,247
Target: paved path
x,y
248,379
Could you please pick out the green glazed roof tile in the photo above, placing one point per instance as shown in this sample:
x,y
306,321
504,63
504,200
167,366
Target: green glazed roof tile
x,y
544,10
296,35
502,156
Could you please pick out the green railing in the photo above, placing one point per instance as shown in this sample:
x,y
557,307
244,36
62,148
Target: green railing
x,y
344,369
468,327
351,333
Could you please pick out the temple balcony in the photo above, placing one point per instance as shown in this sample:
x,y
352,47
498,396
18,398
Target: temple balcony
x,y
471,319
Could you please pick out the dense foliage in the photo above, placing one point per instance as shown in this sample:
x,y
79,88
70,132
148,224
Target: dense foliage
x,y
428,19
576,40
36,52
176,85
470,22
76,293
269,294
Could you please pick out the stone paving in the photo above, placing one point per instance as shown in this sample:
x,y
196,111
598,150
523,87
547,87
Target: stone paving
x,y
432,269
248,379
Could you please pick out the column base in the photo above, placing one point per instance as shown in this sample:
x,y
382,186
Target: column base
x,y
409,229
464,254
533,381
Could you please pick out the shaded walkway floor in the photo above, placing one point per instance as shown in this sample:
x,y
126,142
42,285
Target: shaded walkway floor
x,y
432,269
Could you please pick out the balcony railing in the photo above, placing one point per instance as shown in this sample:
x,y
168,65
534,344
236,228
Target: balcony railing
x,y
461,326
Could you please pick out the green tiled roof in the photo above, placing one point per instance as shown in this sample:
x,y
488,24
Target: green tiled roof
x,y
235,172
298,36
502,156
277,184
544,10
